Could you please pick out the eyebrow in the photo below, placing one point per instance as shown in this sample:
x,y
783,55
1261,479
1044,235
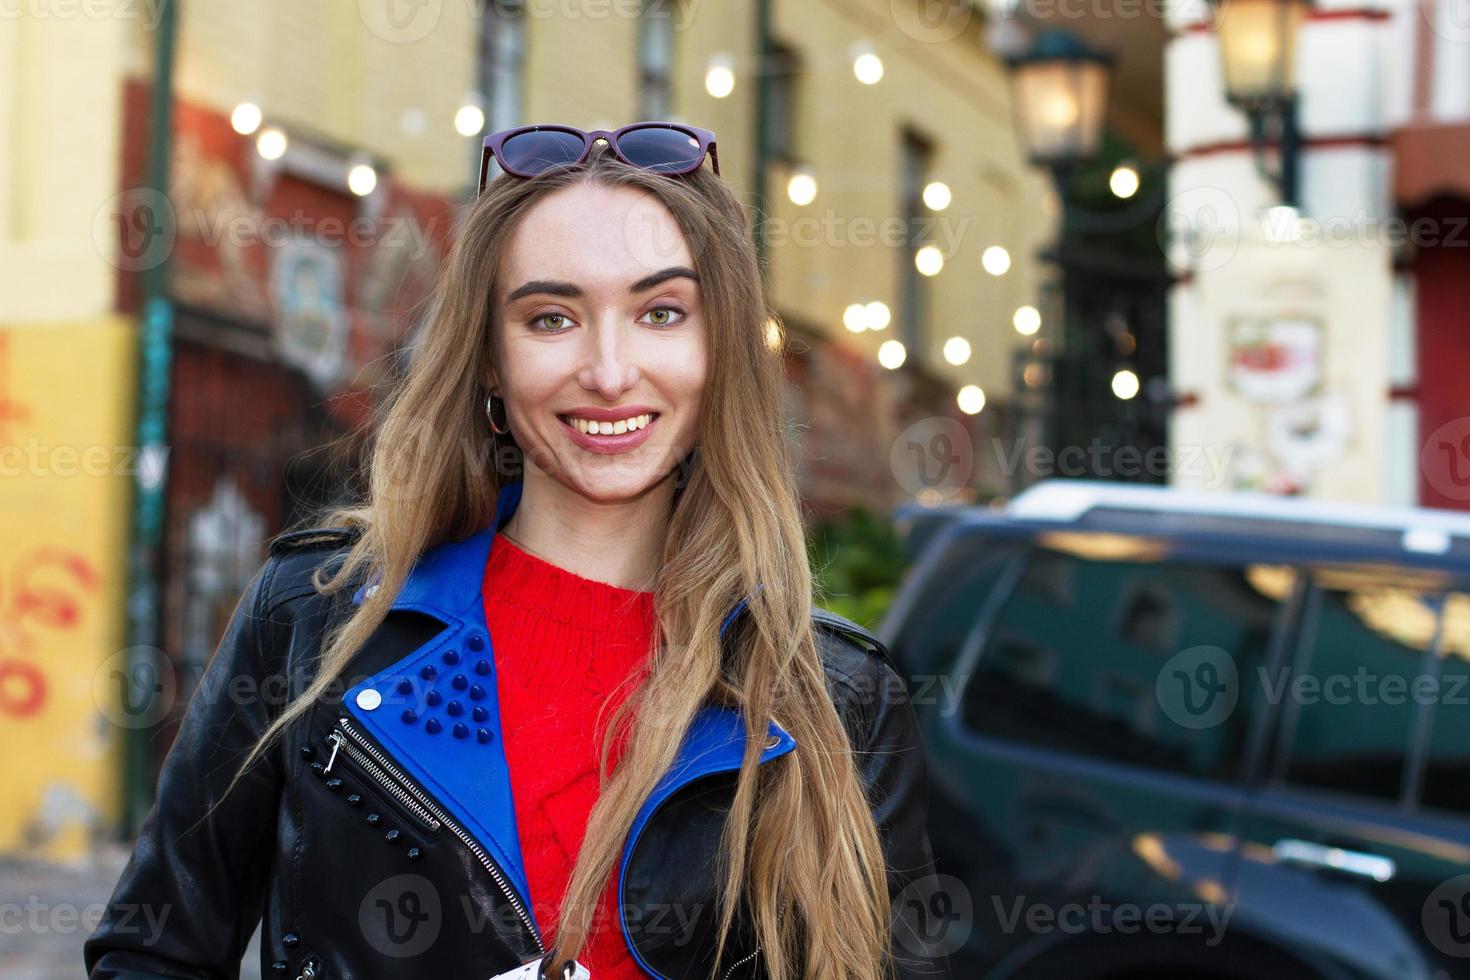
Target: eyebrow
x,y
558,288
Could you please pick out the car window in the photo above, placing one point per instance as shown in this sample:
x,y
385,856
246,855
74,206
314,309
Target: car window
x,y
1447,775
1135,660
950,601
1349,705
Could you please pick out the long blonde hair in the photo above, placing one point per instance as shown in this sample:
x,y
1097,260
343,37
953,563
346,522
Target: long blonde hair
x,y
800,835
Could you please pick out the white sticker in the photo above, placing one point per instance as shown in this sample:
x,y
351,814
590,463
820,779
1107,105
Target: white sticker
x,y
528,971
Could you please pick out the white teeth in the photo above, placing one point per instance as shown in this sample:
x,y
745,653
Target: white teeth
x,y
612,428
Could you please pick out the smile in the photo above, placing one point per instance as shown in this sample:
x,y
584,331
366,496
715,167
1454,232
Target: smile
x,y
621,426
609,438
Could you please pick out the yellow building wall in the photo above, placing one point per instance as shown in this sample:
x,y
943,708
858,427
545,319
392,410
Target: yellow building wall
x,y
939,80
60,151
65,472
350,72
66,370
344,72
347,71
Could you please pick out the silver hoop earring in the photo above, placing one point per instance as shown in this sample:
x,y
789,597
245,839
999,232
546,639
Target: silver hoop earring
x,y
490,413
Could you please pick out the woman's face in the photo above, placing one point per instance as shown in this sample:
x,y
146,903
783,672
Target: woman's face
x,y
598,326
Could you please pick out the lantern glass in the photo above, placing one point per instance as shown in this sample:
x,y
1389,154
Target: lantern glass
x,y
1258,49
1060,105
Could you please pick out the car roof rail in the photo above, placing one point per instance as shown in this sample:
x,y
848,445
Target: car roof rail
x,y
1423,529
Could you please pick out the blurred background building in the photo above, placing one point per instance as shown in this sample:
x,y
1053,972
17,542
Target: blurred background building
x,y
218,350
1221,248
1319,206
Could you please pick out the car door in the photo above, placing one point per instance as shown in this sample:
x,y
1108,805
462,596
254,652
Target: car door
x,y
1090,772
1357,845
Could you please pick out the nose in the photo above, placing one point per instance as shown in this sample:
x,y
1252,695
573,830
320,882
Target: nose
x,y
611,365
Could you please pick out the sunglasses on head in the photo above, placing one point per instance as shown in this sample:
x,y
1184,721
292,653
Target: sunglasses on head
x,y
663,147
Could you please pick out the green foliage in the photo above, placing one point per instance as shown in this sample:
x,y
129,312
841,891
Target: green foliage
x,y
857,563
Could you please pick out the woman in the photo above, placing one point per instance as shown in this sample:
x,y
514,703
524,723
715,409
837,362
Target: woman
x,y
670,764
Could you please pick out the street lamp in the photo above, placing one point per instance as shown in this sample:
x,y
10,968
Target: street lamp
x,y
1061,96
1060,91
1258,54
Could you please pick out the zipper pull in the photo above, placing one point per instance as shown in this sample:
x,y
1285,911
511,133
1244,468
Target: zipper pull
x,y
336,739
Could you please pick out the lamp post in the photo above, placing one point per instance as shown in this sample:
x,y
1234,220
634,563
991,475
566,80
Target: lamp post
x,y
1112,280
1060,96
1258,53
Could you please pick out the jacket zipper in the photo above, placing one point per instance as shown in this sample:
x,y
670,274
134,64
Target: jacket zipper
x,y
742,961
381,778
781,914
423,801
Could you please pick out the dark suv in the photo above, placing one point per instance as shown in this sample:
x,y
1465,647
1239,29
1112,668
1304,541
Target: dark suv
x,y
1194,734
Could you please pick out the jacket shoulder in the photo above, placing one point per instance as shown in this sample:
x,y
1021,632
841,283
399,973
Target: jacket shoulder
x,y
851,653
847,632
864,682
313,537
296,555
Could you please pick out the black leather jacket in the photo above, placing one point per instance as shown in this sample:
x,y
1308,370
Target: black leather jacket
x,y
363,863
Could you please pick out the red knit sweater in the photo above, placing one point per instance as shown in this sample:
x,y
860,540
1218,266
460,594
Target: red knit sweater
x,y
563,645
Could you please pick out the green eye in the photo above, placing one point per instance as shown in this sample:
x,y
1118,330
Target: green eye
x,y
667,310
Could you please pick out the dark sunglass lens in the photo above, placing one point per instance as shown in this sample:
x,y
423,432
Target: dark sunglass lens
x,y
664,150
533,152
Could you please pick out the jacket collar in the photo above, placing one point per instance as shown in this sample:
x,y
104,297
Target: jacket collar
x,y
447,579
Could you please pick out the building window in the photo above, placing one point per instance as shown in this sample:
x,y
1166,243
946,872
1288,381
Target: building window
x,y
656,59
502,47
782,66
913,306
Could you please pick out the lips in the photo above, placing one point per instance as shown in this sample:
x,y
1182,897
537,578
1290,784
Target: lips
x,y
617,442
605,424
